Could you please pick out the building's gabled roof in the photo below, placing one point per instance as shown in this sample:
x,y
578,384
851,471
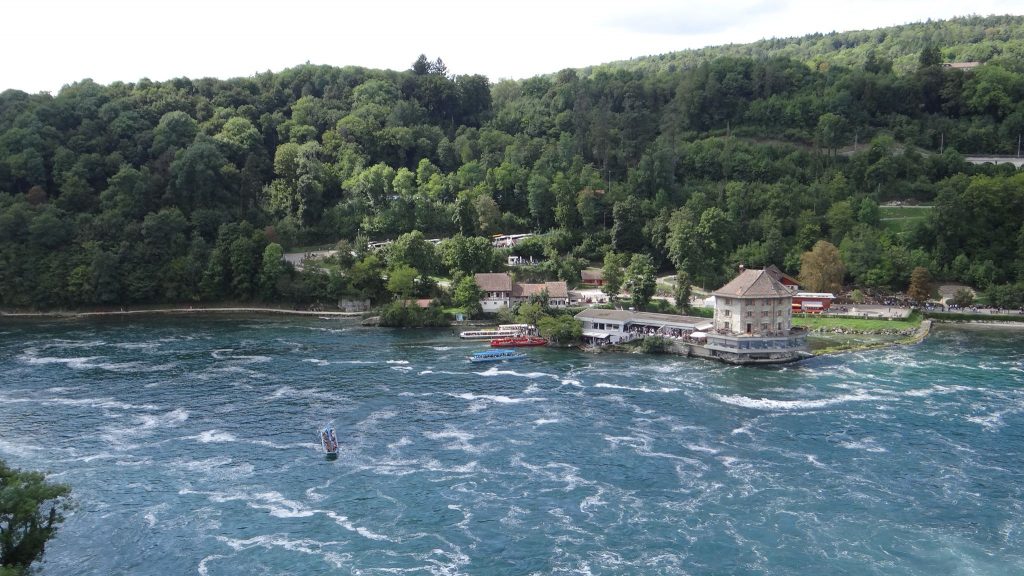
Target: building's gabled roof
x,y
554,289
754,284
557,289
522,290
494,281
781,276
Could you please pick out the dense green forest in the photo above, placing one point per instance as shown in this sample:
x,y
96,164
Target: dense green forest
x,y
192,189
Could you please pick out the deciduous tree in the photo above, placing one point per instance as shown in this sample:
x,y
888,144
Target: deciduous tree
x,y
822,269
920,285
640,280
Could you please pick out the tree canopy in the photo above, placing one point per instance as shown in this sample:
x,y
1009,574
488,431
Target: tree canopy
x,y
152,192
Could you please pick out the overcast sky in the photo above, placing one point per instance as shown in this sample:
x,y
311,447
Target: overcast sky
x,y
48,43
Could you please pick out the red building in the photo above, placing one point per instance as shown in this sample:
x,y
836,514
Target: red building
x,y
812,302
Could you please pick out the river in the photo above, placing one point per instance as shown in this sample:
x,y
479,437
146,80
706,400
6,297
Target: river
x,y
190,446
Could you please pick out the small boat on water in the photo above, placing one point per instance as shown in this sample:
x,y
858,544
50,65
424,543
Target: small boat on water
x,y
329,442
503,331
497,355
517,341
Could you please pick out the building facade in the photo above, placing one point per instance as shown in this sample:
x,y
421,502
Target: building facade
x,y
753,304
754,321
499,291
496,291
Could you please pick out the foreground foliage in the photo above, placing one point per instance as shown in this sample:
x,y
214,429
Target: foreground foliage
x,y
30,513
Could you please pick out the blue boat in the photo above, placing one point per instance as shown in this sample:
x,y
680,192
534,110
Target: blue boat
x,y
329,442
497,355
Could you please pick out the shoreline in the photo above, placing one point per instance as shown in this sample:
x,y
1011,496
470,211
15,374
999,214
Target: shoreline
x,y
182,311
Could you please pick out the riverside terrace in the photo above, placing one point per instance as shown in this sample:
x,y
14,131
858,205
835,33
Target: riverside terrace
x,y
692,336
601,326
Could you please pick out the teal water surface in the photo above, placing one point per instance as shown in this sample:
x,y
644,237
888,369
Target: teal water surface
x,y
190,445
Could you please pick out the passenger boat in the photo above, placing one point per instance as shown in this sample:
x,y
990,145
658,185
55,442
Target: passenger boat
x,y
517,341
329,442
503,331
488,334
497,355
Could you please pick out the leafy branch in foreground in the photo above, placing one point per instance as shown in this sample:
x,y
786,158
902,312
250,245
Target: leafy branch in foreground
x,y
30,512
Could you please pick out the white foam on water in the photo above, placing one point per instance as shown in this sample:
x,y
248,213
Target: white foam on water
x,y
664,389
494,371
228,354
202,569
461,440
402,368
278,506
79,363
401,442
317,361
213,436
867,444
150,516
103,403
397,362
992,421
745,429
353,362
441,348
432,465
700,448
20,449
572,382
496,399
445,372
328,330
291,392
99,456
785,405
137,345
813,461
345,523
270,541
167,419
543,421
276,446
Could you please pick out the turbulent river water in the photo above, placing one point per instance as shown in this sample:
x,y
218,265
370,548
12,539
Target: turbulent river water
x,y
190,446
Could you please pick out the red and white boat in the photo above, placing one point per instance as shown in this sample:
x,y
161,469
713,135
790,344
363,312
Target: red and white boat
x,y
519,341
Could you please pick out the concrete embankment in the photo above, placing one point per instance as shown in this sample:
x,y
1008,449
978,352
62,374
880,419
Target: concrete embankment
x,y
915,337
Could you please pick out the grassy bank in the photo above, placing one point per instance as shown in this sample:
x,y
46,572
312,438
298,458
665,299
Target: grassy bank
x,y
864,325
830,335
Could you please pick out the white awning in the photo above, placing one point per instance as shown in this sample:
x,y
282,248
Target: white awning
x,y
704,326
698,335
596,334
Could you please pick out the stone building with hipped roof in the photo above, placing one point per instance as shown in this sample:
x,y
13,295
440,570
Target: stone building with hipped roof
x,y
753,320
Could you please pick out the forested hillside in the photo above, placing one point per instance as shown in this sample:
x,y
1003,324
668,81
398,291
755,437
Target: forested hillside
x,y
190,190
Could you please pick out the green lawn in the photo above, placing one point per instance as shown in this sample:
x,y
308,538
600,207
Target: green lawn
x,y
899,219
860,324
